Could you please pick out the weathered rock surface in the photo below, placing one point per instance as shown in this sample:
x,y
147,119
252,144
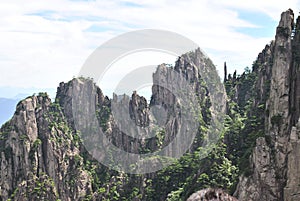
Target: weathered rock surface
x,y
211,195
42,156
274,161
39,156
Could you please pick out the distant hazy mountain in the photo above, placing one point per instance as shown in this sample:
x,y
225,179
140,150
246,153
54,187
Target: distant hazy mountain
x,y
10,96
7,108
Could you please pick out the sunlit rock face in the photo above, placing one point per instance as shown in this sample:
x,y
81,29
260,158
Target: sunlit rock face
x,y
275,159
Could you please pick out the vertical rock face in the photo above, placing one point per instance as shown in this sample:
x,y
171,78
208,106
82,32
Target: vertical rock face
x,y
292,188
38,155
295,74
274,162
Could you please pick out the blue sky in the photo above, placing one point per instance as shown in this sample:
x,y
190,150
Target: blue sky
x,y
265,25
46,42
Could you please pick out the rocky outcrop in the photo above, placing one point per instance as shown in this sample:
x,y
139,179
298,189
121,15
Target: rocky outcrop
x,y
39,156
292,190
274,159
42,156
211,195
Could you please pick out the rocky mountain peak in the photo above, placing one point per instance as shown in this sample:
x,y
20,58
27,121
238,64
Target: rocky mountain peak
x,y
272,171
43,155
35,144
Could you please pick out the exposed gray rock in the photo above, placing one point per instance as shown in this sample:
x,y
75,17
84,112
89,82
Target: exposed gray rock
x,y
41,154
275,159
39,157
211,195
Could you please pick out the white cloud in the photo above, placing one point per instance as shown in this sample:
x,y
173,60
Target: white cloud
x,y
272,8
45,43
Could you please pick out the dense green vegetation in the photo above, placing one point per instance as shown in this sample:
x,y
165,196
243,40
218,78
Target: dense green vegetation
x,y
246,115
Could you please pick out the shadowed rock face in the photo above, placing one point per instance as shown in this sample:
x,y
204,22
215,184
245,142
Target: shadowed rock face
x,y
211,195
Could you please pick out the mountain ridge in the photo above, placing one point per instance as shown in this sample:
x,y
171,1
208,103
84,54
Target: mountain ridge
x,y
43,157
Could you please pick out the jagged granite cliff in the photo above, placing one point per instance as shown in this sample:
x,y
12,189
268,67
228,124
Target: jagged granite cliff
x,y
43,158
43,155
40,155
274,163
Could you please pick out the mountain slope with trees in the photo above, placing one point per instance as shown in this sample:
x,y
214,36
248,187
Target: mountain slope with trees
x,y
256,157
